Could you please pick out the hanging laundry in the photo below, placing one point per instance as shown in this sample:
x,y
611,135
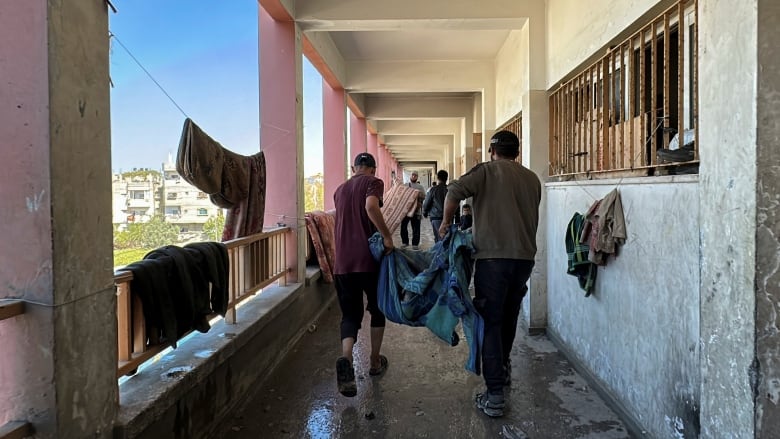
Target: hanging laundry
x,y
430,288
605,227
321,227
579,266
398,202
233,181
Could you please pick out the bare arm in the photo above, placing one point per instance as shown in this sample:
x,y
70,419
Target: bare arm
x,y
375,215
450,206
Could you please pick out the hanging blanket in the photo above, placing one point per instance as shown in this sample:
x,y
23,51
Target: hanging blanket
x,y
321,226
233,181
430,288
398,202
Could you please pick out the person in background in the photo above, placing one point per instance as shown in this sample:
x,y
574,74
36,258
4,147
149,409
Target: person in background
x,y
358,216
415,218
465,218
506,198
433,206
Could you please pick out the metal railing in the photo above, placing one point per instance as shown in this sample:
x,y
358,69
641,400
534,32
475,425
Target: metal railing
x,y
256,261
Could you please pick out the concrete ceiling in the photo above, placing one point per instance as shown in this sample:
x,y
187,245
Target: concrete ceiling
x,y
417,67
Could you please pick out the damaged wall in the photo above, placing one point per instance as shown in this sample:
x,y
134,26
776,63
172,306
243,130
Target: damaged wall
x,y
591,25
638,333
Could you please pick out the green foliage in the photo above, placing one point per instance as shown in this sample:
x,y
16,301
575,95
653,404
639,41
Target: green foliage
x,y
142,173
214,226
153,234
127,256
314,193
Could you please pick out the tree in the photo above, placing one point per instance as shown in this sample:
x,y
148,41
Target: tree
x,y
152,234
214,226
314,193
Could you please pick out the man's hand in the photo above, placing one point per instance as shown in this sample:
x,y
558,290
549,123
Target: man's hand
x,y
444,228
388,243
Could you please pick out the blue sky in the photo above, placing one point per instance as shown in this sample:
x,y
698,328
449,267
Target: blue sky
x,y
204,54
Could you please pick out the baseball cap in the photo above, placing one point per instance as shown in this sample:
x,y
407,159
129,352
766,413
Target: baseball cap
x,y
505,142
365,159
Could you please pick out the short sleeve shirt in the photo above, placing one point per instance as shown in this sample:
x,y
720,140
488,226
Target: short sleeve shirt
x,y
353,227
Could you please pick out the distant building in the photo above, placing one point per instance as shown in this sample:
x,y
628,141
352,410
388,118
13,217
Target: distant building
x,y
136,197
183,204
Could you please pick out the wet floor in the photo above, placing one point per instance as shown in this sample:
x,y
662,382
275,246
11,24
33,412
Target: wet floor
x,y
425,393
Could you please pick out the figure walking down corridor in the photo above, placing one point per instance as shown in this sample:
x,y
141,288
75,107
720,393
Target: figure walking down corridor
x,y
433,206
413,218
506,216
358,216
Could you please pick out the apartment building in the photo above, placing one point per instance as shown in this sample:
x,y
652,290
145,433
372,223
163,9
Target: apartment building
x,y
135,197
183,204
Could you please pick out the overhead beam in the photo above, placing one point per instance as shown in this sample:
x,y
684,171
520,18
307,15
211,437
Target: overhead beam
x,y
419,127
322,52
419,76
417,107
417,139
384,24
346,11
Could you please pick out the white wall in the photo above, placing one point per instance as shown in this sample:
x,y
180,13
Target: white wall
x,y
576,29
511,81
638,334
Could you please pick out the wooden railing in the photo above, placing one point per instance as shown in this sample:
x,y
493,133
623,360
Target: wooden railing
x,y
618,112
255,262
515,125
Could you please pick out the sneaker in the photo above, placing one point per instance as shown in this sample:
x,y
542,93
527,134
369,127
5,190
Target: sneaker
x,y
345,377
508,373
491,404
415,247
404,245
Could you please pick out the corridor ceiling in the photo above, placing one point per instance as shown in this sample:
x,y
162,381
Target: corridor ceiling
x,y
415,69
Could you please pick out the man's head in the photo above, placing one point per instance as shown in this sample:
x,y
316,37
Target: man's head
x,y
414,177
466,209
364,164
442,176
504,144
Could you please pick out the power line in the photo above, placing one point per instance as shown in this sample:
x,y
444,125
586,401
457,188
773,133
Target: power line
x,y
113,35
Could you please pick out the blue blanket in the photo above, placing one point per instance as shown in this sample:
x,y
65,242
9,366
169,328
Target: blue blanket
x,y
430,288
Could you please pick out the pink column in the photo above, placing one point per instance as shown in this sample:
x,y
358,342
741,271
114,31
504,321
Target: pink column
x,y
281,131
334,127
357,135
373,145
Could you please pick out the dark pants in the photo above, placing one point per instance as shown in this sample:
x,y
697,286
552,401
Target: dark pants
x,y
499,287
415,220
436,223
350,288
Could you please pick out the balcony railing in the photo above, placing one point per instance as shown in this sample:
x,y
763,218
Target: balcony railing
x,y
255,262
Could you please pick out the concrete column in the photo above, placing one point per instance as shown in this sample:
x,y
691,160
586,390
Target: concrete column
x,y
739,224
334,134
535,144
281,132
373,146
59,367
535,147
357,135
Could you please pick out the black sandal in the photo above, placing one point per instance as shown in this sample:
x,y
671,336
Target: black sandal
x,y
382,367
345,377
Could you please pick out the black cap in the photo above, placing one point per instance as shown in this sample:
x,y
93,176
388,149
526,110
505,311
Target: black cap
x,y
365,159
505,143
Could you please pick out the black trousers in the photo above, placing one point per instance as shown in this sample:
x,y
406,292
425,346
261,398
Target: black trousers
x,y
499,287
350,288
415,220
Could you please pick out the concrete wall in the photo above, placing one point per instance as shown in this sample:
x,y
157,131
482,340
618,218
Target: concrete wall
x,y
511,81
768,227
728,130
220,368
576,29
638,334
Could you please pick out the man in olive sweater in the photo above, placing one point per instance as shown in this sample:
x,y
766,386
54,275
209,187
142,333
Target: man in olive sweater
x,y
506,198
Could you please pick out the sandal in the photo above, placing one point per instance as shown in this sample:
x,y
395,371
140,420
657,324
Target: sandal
x,y
345,377
374,371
